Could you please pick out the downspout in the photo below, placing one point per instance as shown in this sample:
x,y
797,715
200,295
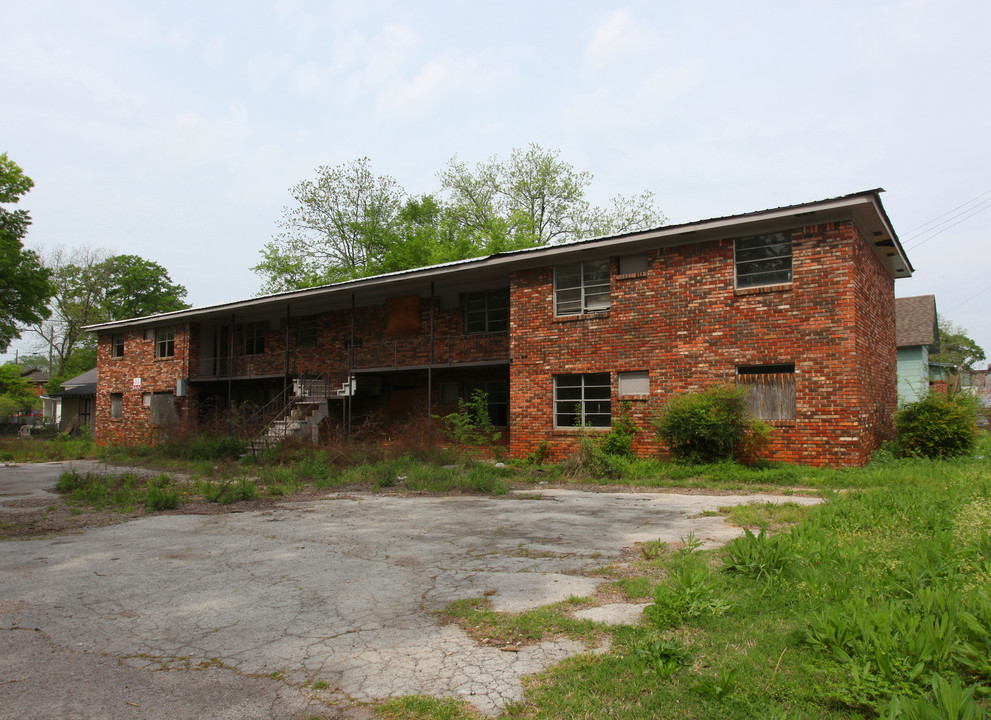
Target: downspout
x,y
430,367
349,397
230,359
285,376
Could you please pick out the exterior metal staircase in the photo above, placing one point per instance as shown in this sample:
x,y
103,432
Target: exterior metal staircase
x,y
306,408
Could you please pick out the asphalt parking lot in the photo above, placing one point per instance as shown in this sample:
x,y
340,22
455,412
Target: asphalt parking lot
x,y
305,608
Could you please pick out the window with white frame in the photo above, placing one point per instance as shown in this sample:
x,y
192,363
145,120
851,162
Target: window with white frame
x,y
117,345
165,342
763,260
487,311
581,288
582,400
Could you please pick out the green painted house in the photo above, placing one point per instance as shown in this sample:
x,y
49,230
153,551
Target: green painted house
x,y
916,336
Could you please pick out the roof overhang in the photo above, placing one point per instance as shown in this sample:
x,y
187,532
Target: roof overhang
x,y
864,208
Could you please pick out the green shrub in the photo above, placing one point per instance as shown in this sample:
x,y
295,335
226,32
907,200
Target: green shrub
x,y
619,441
937,426
158,498
710,425
471,424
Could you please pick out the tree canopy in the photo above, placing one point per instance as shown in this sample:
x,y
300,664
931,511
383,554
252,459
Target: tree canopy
x,y
24,282
349,222
16,393
955,347
91,286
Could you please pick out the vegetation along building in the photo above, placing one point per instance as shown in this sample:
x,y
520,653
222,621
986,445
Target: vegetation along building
x,y
797,303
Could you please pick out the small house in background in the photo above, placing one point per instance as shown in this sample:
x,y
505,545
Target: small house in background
x,y
916,335
37,377
73,406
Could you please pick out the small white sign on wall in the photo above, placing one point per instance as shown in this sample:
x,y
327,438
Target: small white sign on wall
x,y
137,383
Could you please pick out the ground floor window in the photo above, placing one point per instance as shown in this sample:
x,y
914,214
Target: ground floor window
x,y
582,400
497,399
772,390
116,406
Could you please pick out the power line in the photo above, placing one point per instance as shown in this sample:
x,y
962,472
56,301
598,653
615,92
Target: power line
x,y
972,212
913,230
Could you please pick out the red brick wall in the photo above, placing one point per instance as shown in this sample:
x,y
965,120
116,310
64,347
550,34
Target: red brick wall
x,y
684,322
117,375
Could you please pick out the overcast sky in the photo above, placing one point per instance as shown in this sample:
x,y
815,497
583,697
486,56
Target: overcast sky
x,y
173,130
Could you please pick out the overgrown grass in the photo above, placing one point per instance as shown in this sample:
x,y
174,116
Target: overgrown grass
x,y
123,492
875,604
61,447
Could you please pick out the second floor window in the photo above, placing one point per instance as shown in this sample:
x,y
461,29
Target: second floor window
x,y
308,327
117,348
253,338
763,260
581,288
487,311
164,342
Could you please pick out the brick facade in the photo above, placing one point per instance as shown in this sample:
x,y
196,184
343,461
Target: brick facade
x,y
677,315
685,323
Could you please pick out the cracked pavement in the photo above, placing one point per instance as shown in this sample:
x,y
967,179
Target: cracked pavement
x,y
240,614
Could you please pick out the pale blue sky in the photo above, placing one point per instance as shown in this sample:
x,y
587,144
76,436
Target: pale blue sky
x,y
173,130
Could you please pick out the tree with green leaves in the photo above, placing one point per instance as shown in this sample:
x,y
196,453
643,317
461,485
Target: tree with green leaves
x,y
339,228
16,392
955,347
92,286
350,223
24,282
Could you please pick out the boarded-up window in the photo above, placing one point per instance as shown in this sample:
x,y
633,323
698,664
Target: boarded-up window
x,y
772,390
633,264
636,382
164,410
403,315
116,406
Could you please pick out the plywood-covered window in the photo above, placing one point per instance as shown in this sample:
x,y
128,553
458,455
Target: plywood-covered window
x,y
116,406
771,390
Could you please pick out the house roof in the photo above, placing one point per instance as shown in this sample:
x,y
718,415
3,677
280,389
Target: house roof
x,y
915,321
35,375
82,379
865,208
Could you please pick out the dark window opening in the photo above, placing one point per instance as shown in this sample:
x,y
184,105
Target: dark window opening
x,y
582,401
763,260
487,311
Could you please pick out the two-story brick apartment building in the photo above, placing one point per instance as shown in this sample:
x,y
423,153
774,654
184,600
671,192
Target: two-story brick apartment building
x,y
795,302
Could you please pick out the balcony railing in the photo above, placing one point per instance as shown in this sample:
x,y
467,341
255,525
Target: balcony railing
x,y
393,353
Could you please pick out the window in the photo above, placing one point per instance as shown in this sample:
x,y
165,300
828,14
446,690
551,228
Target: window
x,y
497,397
763,260
636,382
163,409
307,329
84,411
633,264
253,338
447,392
117,346
581,288
487,311
164,342
772,390
582,400
116,406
